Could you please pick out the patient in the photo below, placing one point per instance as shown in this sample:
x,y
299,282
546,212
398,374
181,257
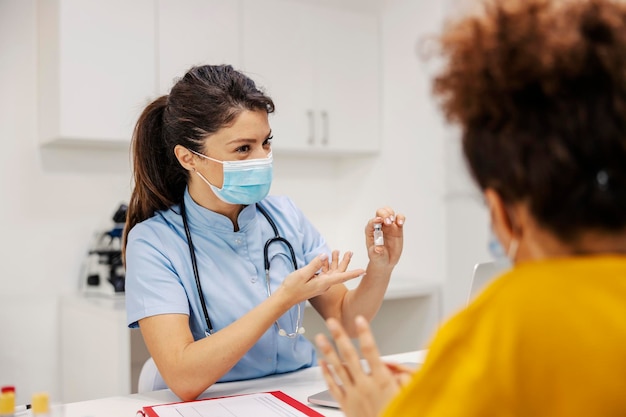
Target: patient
x,y
538,88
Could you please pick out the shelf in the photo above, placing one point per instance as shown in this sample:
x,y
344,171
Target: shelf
x,y
410,287
404,287
88,144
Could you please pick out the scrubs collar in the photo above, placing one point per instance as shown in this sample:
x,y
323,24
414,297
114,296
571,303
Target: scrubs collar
x,y
202,218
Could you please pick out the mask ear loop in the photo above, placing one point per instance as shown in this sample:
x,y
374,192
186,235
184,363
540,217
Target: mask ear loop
x,y
511,252
513,247
208,183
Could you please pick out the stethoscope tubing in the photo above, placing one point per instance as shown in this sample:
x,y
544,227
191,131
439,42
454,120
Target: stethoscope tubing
x,y
194,265
276,238
266,263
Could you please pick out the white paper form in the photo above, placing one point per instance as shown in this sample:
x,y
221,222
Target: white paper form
x,y
257,405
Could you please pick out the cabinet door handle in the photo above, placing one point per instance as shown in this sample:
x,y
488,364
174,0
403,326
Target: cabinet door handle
x,y
325,127
311,118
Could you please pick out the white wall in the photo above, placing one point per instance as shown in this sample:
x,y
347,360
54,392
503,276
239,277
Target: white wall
x,y
425,174
408,175
54,199
410,172
466,217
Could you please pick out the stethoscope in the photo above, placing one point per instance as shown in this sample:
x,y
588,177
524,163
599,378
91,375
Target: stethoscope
x,y
266,262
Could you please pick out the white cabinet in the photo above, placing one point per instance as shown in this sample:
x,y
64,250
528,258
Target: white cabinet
x,y
321,66
96,69
102,62
195,32
100,355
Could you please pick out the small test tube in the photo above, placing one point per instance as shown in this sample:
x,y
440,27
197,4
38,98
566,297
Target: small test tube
x,y
379,240
7,404
40,405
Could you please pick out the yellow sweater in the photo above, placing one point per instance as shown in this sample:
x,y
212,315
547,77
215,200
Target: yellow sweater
x,y
546,339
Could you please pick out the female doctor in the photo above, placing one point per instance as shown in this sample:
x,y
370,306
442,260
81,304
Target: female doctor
x,y
217,272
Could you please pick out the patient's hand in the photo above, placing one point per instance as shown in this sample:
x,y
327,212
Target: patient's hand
x,y
402,373
359,392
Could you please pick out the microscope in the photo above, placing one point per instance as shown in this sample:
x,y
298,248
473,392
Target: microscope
x,y
105,269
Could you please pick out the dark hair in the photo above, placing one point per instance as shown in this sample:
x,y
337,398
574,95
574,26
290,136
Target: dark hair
x,y
539,89
203,101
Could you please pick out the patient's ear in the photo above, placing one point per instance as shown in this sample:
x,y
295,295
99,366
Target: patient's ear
x,y
501,221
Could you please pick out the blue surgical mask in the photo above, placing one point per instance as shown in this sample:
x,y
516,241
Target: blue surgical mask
x,y
495,247
498,253
245,182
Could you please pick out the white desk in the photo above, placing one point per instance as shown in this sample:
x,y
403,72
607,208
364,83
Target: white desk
x,y
298,385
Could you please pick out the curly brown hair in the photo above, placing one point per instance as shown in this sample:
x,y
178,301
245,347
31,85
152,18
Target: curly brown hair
x,y
539,90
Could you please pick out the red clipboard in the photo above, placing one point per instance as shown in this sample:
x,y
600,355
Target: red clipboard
x,y
149,411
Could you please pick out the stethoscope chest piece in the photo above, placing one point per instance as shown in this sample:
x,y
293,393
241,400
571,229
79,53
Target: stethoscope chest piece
x,y
299,330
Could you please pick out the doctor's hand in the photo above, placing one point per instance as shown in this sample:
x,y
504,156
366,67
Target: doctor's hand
x,y
317,277
359,392
392,228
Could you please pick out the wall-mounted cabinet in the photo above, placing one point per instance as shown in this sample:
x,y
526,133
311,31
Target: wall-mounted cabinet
x,y
101,62
321,66
96,69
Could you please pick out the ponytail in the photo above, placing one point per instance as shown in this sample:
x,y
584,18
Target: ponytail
x,y
159,180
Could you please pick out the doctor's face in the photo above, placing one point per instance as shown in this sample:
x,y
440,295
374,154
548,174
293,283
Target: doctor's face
x,y
248,137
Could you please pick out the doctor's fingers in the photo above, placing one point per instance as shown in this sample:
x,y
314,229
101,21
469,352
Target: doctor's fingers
x,y
388,215
336,264
390,229
335,260
323,282
400,219
345,261
319,263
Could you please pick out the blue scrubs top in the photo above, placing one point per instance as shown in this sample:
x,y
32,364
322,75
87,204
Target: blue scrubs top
x,y
160,280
